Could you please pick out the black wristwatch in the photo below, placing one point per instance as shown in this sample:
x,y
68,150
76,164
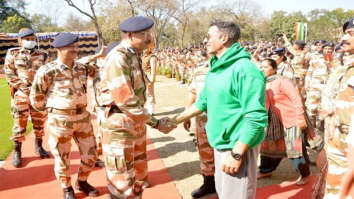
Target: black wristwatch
x,y
236,156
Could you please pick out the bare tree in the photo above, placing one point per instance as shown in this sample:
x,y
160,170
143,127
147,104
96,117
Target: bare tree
x,y
132,4
247,13
92,17
183,15
161,11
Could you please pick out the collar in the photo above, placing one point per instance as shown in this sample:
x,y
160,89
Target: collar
x,y
272,77
127,46
63,66
22,49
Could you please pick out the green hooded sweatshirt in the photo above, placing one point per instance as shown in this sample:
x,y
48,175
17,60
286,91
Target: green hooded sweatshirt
x,y
234,97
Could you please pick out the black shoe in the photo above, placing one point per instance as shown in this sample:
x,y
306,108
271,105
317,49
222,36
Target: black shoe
x,y
17,161
86,188
39,149
69,193
99,163
207,187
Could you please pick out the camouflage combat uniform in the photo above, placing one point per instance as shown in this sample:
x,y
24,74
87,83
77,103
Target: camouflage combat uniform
x,y
150,90
95,109
315,82
284,69
122,89
299,64
336,137
61,90
21,66
206,152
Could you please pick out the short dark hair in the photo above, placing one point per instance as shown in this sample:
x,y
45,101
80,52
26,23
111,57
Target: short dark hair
x,y
231,29
272,63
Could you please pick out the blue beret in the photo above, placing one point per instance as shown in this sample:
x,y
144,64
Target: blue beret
x,y
330,44
320,42
109,48
348,24
136,24
64,39
26,33
300,43
279,50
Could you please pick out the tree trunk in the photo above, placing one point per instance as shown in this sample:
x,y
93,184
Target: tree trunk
x,y
99,34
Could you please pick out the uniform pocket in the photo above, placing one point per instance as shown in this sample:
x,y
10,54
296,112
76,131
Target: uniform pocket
x,y
120,156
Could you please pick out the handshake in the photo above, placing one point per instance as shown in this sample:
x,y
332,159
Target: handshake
x,y
166,124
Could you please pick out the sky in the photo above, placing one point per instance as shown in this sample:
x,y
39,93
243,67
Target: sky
x,y
58,10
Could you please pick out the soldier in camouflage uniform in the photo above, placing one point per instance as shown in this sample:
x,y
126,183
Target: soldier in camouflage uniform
x,y
299,62
149,62
315,81
206,152
336,138
95,108
21,64
60,88
122,92
284,68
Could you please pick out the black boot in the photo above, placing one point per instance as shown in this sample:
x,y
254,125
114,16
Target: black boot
x,y
39,149
207,187
99,163
69,193
86,188
17,155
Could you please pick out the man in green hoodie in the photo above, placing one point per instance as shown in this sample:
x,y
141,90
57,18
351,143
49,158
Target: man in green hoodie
x,y
233,96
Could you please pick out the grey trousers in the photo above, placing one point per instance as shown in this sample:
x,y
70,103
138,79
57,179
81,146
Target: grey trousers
x,y
241,185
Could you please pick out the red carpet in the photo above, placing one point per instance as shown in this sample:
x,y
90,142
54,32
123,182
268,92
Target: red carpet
x,y
285,190
36,180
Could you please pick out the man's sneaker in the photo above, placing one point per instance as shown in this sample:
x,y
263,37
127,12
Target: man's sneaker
x,y
302,180
99,163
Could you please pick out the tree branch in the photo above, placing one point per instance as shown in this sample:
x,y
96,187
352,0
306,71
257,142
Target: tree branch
x,y
70,3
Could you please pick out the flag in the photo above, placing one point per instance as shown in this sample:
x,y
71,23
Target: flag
x,y
301,31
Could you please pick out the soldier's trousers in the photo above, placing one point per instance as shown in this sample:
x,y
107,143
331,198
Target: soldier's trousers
x,y
20,110
206,152
312,104
124,150
100,118
61,129
337,167
300,81
150,98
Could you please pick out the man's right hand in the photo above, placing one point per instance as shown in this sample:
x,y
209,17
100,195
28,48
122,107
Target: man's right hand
x,y
166,125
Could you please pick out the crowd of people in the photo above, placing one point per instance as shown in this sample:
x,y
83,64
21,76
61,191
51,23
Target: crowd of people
x,y
268,99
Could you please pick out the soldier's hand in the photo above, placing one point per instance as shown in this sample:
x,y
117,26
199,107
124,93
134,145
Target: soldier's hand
x,y
187,125
166,125
102,51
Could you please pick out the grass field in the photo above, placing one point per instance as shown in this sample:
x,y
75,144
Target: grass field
x,y
5,120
